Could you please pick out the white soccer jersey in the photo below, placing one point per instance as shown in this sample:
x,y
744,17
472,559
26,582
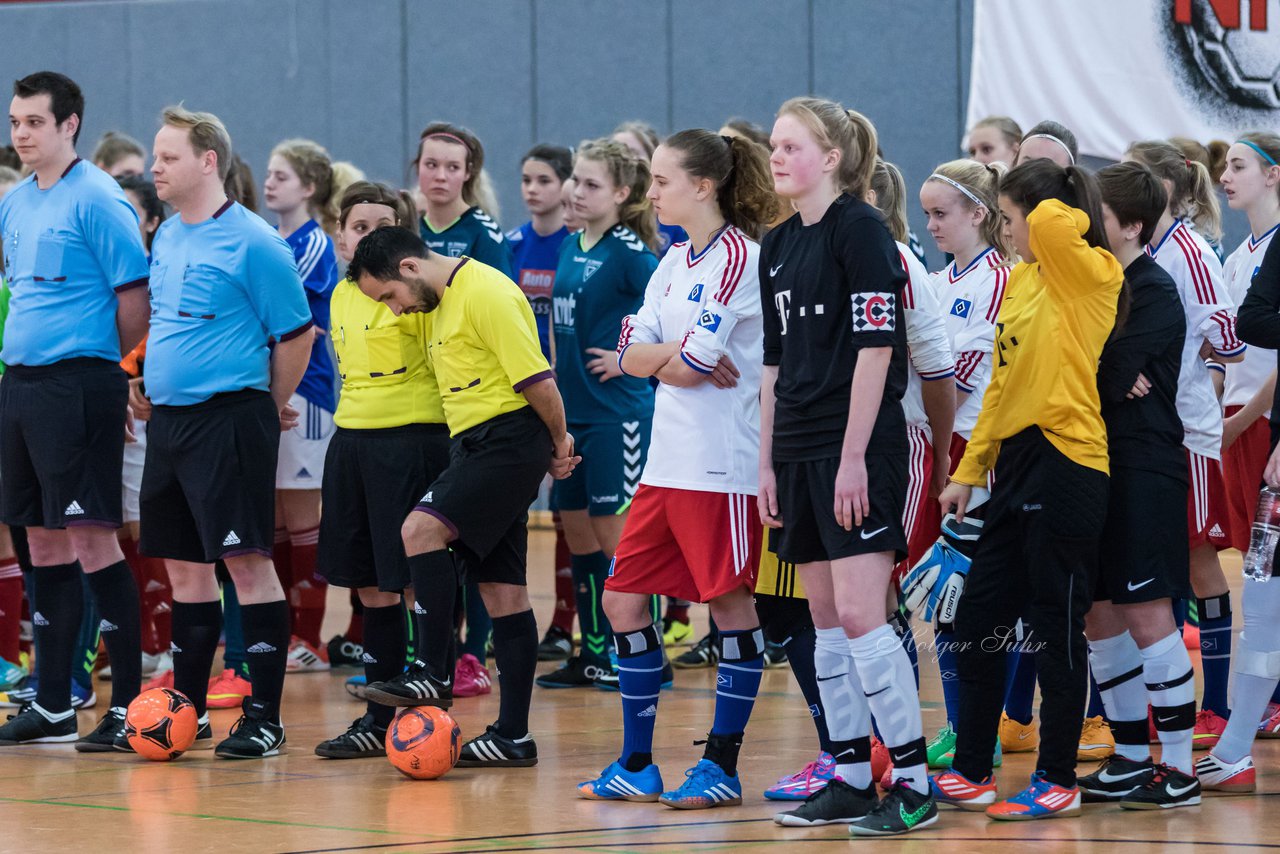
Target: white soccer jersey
x,y
1245,378
1211,316
970,300
926,340
705,438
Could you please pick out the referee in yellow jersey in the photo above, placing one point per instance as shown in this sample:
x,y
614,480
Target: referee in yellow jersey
x,y
507,422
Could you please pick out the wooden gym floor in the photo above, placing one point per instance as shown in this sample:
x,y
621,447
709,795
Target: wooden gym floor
x,y
53,799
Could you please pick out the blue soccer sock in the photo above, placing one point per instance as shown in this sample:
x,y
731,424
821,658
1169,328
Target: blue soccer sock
x,y
1021,693
234,657
945,645
639,683
737,679
1096,709
1215,651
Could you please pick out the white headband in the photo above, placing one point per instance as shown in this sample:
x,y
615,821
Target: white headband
x,y
1050,136
961,187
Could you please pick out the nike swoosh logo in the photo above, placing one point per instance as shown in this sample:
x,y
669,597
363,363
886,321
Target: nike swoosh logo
x,y
773,271
1023,736
868,535
829,678
876,693
1133,586
1177,793
1166,720
1108,777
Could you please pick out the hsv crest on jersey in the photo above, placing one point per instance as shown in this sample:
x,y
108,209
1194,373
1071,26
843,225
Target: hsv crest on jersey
x,y
873,312
961,307
709,321
695,295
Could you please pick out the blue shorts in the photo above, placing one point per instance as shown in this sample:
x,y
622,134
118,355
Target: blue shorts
x,y
613,456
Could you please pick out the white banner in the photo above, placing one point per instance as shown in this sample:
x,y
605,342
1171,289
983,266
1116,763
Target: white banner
x,y
1116,71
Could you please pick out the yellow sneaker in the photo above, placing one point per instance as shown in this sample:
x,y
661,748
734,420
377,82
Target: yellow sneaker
x,y
1018,738
1096,740
676,632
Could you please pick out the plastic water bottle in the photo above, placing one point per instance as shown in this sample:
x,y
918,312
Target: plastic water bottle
x,y
1264,536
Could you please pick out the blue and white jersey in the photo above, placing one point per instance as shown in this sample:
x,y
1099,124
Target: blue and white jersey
x,y
68,251
536,258
318,269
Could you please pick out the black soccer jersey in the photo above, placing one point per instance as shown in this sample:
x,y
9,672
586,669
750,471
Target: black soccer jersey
x,y
1145,432
830,290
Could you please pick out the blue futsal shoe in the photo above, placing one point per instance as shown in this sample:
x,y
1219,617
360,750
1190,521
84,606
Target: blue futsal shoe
x,y
706,785
616,783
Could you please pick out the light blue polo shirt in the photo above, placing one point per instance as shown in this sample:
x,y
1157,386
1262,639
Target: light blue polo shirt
x,y
220,291
67,251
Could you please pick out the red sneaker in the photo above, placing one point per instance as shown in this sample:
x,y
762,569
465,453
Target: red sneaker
x,y
471,678
228,690
881,765
163,679
952,787
1209,728
1191,637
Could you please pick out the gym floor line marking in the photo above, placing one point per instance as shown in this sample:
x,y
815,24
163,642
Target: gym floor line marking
x,y
584,830
234,818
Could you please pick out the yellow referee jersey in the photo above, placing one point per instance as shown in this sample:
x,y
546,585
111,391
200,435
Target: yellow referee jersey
x,y
1057,314
387,379
484,346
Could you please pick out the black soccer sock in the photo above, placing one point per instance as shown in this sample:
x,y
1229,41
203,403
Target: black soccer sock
x,y
196,628
116,594
800,647
385,638
589,574
57,605
266,637
515,650
435,593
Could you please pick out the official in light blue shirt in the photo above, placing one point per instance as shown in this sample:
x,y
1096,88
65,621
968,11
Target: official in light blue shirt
x,y
68,251
221,289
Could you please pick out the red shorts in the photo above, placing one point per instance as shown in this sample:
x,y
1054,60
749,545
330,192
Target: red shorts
x,y
1208,520
690,545
1242,466
921,517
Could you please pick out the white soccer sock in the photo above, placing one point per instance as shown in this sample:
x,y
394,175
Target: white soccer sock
x,y
1117,667
1166,669
843,702
1250,691
890,687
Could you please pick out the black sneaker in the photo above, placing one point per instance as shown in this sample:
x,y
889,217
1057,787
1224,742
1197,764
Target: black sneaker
x,y
30,726
775,655
701,654
204,735
576,673
902,810
1168,787
609,681
492,750
415,687
251,737
1115,778
363,738
345,653
556,645
835,803
109,730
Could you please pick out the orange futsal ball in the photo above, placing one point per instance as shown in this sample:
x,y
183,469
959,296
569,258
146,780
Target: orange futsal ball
x,y
161,724
423,742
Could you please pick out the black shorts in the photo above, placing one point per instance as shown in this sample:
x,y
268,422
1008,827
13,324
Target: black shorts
x,y
209,482
806,500
483,497
372,479
62,444
1143,552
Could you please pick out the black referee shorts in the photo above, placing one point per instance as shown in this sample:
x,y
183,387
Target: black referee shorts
x,y
209,481
483,497
806,500
62,444
1143,552
372,479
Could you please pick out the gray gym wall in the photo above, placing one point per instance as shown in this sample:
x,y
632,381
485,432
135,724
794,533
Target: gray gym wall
x,y
363,77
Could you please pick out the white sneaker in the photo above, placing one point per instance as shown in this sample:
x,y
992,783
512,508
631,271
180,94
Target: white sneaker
x,y
1217,776
304,658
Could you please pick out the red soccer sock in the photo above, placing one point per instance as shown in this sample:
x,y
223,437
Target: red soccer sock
x,y
562,618
10,610
157,606
307,598
677,613
282,557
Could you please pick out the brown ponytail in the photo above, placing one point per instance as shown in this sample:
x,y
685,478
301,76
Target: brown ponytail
x,y
740,170
1193,196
